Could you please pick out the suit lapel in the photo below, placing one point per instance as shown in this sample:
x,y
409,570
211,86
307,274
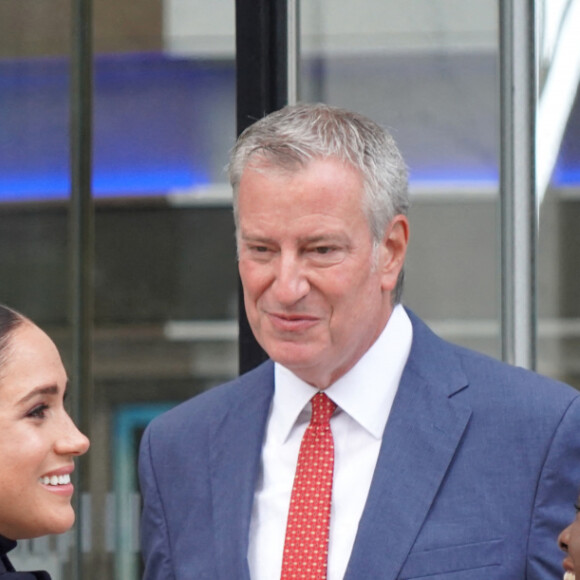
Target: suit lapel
x,y
422,434
235,449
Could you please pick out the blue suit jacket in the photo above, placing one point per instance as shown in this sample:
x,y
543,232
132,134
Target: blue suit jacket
x,y
477,474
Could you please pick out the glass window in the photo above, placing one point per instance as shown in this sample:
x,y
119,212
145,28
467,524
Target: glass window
x,y
558,176
34,189
428,72
165,277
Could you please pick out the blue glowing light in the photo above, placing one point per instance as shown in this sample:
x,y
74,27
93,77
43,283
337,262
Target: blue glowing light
x,y
160,124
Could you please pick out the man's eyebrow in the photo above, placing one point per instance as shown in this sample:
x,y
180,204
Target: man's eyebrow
x,y
45,390
320,238
245,237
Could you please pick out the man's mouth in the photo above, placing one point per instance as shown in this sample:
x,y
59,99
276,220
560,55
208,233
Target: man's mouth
x,y
292,321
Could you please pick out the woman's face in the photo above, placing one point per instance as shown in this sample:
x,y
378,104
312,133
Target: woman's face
x,y
38,439
569,541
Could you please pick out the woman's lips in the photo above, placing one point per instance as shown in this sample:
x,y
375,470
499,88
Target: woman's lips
x,y
58,481
569,569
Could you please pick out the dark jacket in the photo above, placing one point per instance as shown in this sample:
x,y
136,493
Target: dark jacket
x,y
7,570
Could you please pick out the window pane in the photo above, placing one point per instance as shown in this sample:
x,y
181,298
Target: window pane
x,y
557,154
34,189
428,71
166,277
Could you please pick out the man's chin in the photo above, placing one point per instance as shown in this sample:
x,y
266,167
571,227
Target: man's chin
x,y
293,355
302,364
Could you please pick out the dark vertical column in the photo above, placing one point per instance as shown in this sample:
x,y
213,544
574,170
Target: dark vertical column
x,y
81,240
262,87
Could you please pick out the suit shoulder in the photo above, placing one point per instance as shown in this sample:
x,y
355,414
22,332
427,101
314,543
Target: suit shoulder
x,y
497,389
487,378
210,405
504,375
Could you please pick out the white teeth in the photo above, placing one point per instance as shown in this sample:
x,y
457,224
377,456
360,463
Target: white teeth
x,y
569,576
55,480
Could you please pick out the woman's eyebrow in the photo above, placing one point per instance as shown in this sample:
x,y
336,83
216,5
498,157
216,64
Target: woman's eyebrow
x,y
45,390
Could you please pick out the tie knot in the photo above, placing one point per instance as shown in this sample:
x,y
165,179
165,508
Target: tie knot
x,y
322,409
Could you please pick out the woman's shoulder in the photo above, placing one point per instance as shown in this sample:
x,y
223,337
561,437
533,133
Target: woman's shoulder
x,y
24,576
7,571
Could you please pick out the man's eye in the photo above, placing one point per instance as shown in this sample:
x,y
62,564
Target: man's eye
x,y
330,251
259,252
39,412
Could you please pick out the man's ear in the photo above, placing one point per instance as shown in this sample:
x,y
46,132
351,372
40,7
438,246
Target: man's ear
x,y
393,251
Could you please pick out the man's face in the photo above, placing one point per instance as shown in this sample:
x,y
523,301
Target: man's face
x,y
316,290
570,542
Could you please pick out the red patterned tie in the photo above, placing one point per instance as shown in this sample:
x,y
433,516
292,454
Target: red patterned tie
x,y
306,544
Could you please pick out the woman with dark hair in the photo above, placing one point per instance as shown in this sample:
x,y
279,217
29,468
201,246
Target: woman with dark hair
x,y
38,440
569,541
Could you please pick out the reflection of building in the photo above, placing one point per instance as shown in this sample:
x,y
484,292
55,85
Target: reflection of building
x,y
164,276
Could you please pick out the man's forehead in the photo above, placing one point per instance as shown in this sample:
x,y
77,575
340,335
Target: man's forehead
x,y
268,162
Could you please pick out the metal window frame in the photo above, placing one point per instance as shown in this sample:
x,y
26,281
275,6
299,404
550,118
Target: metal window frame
x,y
81,245
267,79
518,78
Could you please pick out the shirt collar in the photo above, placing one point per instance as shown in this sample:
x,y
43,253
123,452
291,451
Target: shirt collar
x,y
6,545
366,392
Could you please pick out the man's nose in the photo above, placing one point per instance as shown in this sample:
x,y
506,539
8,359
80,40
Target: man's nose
x,y
291,280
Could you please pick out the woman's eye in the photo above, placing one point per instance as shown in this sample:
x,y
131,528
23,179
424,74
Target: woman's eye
x,y
39,412
577,506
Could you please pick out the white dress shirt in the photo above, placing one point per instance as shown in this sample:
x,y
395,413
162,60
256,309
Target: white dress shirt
x,y
364,397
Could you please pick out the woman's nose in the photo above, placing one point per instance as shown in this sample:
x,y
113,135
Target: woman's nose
x,y
71,440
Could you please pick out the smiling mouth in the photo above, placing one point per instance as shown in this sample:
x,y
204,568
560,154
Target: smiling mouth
x,y
55,480
292,317
292,321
